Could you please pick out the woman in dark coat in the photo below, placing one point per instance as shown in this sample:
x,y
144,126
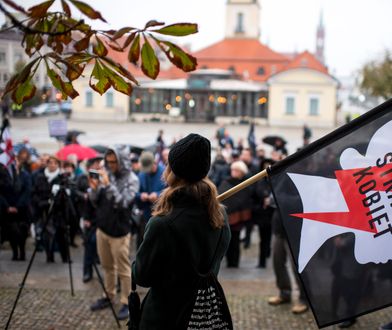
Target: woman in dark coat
x,y
185,230
16,192
239,209
46,185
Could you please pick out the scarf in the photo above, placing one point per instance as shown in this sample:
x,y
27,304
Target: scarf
x,y
51,175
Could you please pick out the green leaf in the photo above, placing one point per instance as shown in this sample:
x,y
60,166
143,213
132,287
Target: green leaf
x,y
20,77
178,57
153,23
88,10
178,30
103,83
121,32
121,70
66,8
134,50
118,83
24,92
150,63
40,10
99,48
55,78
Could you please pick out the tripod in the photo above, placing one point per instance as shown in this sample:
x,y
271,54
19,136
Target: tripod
x,y
61,198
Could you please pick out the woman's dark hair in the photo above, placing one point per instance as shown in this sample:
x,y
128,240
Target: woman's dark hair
x,y
204,191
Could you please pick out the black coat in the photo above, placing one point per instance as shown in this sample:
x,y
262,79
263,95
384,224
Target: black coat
x,y
163,263
238,206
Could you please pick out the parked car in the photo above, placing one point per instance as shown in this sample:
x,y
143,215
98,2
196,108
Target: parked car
x,y
45,109
66,108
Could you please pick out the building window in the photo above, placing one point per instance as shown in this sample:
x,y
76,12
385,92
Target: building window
x,y
261,71
2,58
109,99
89,98
314,106
231,68
18,57
290,105
240,23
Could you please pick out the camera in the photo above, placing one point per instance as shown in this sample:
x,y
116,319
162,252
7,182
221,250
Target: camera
x,y
94,174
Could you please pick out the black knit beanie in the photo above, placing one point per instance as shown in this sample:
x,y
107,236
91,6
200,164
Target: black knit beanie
x,y
190,158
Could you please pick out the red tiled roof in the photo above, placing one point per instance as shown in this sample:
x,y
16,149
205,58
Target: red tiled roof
x,y
306,60
249,58
239,49
246,56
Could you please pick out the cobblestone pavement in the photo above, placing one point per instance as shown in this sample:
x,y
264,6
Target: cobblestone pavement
x,y
46,302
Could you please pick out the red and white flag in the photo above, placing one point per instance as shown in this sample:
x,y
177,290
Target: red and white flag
x,y
6,149
335,202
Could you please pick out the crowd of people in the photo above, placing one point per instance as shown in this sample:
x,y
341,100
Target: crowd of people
x,y
108,199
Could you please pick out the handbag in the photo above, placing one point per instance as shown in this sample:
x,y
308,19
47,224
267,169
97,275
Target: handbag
x,y
134,307
209,309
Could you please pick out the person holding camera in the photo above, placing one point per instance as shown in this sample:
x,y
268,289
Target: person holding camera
x,y
112,196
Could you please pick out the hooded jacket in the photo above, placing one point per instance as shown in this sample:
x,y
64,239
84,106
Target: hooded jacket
x,y
113,203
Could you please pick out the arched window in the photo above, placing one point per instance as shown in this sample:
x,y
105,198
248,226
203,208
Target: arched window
x,y
240,23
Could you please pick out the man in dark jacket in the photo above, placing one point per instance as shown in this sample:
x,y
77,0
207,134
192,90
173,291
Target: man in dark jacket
x,y
112,196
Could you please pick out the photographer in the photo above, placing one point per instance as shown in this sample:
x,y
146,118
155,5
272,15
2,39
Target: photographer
x,y
112,195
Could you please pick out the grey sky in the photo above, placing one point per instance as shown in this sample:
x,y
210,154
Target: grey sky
x,y
356,30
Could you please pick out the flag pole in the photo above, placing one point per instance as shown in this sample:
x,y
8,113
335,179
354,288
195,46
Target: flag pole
x,y
242,185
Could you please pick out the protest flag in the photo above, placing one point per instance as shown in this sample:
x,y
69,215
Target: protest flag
x,y
6,149
335,202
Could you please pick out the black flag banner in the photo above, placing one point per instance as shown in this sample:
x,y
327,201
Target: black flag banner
x,y
335,202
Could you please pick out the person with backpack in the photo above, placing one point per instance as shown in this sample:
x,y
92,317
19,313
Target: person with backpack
x,y
184,243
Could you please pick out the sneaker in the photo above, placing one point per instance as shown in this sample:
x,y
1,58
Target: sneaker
x,y
278,300
299,308
101,303
123,312
387,326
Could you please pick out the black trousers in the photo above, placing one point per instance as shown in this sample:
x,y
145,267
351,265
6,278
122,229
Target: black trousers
x,y
265,233
57,239
16,230
233,252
